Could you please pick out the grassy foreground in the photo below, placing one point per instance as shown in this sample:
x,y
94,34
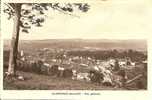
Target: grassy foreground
x,y
42,82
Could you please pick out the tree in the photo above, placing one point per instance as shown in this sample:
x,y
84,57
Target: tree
x,y
116,67
24,18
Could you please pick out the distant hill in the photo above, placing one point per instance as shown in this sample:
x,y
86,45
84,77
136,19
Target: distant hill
x,y
99,44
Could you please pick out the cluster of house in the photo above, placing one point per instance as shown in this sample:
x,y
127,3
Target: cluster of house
x,y
110,72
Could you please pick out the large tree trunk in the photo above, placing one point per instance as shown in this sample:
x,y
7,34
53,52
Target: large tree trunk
x,y
14,42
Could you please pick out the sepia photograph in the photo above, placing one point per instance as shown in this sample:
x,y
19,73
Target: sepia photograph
x,y
75,50
54,46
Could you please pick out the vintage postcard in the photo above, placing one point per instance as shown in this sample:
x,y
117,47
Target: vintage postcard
x,y
75,50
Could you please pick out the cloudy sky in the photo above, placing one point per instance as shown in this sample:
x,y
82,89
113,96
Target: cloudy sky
x,y
105,19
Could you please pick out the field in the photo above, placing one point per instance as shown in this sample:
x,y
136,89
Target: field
x,y
97,51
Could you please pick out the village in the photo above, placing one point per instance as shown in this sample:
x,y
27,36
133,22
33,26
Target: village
x,y
90,66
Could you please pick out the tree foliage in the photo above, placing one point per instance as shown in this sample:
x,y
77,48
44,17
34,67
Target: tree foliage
x,y
33,13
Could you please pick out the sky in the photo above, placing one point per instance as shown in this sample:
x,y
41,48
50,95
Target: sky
x,y
112,19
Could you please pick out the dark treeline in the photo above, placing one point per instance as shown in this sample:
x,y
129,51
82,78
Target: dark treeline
x,y
103,55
